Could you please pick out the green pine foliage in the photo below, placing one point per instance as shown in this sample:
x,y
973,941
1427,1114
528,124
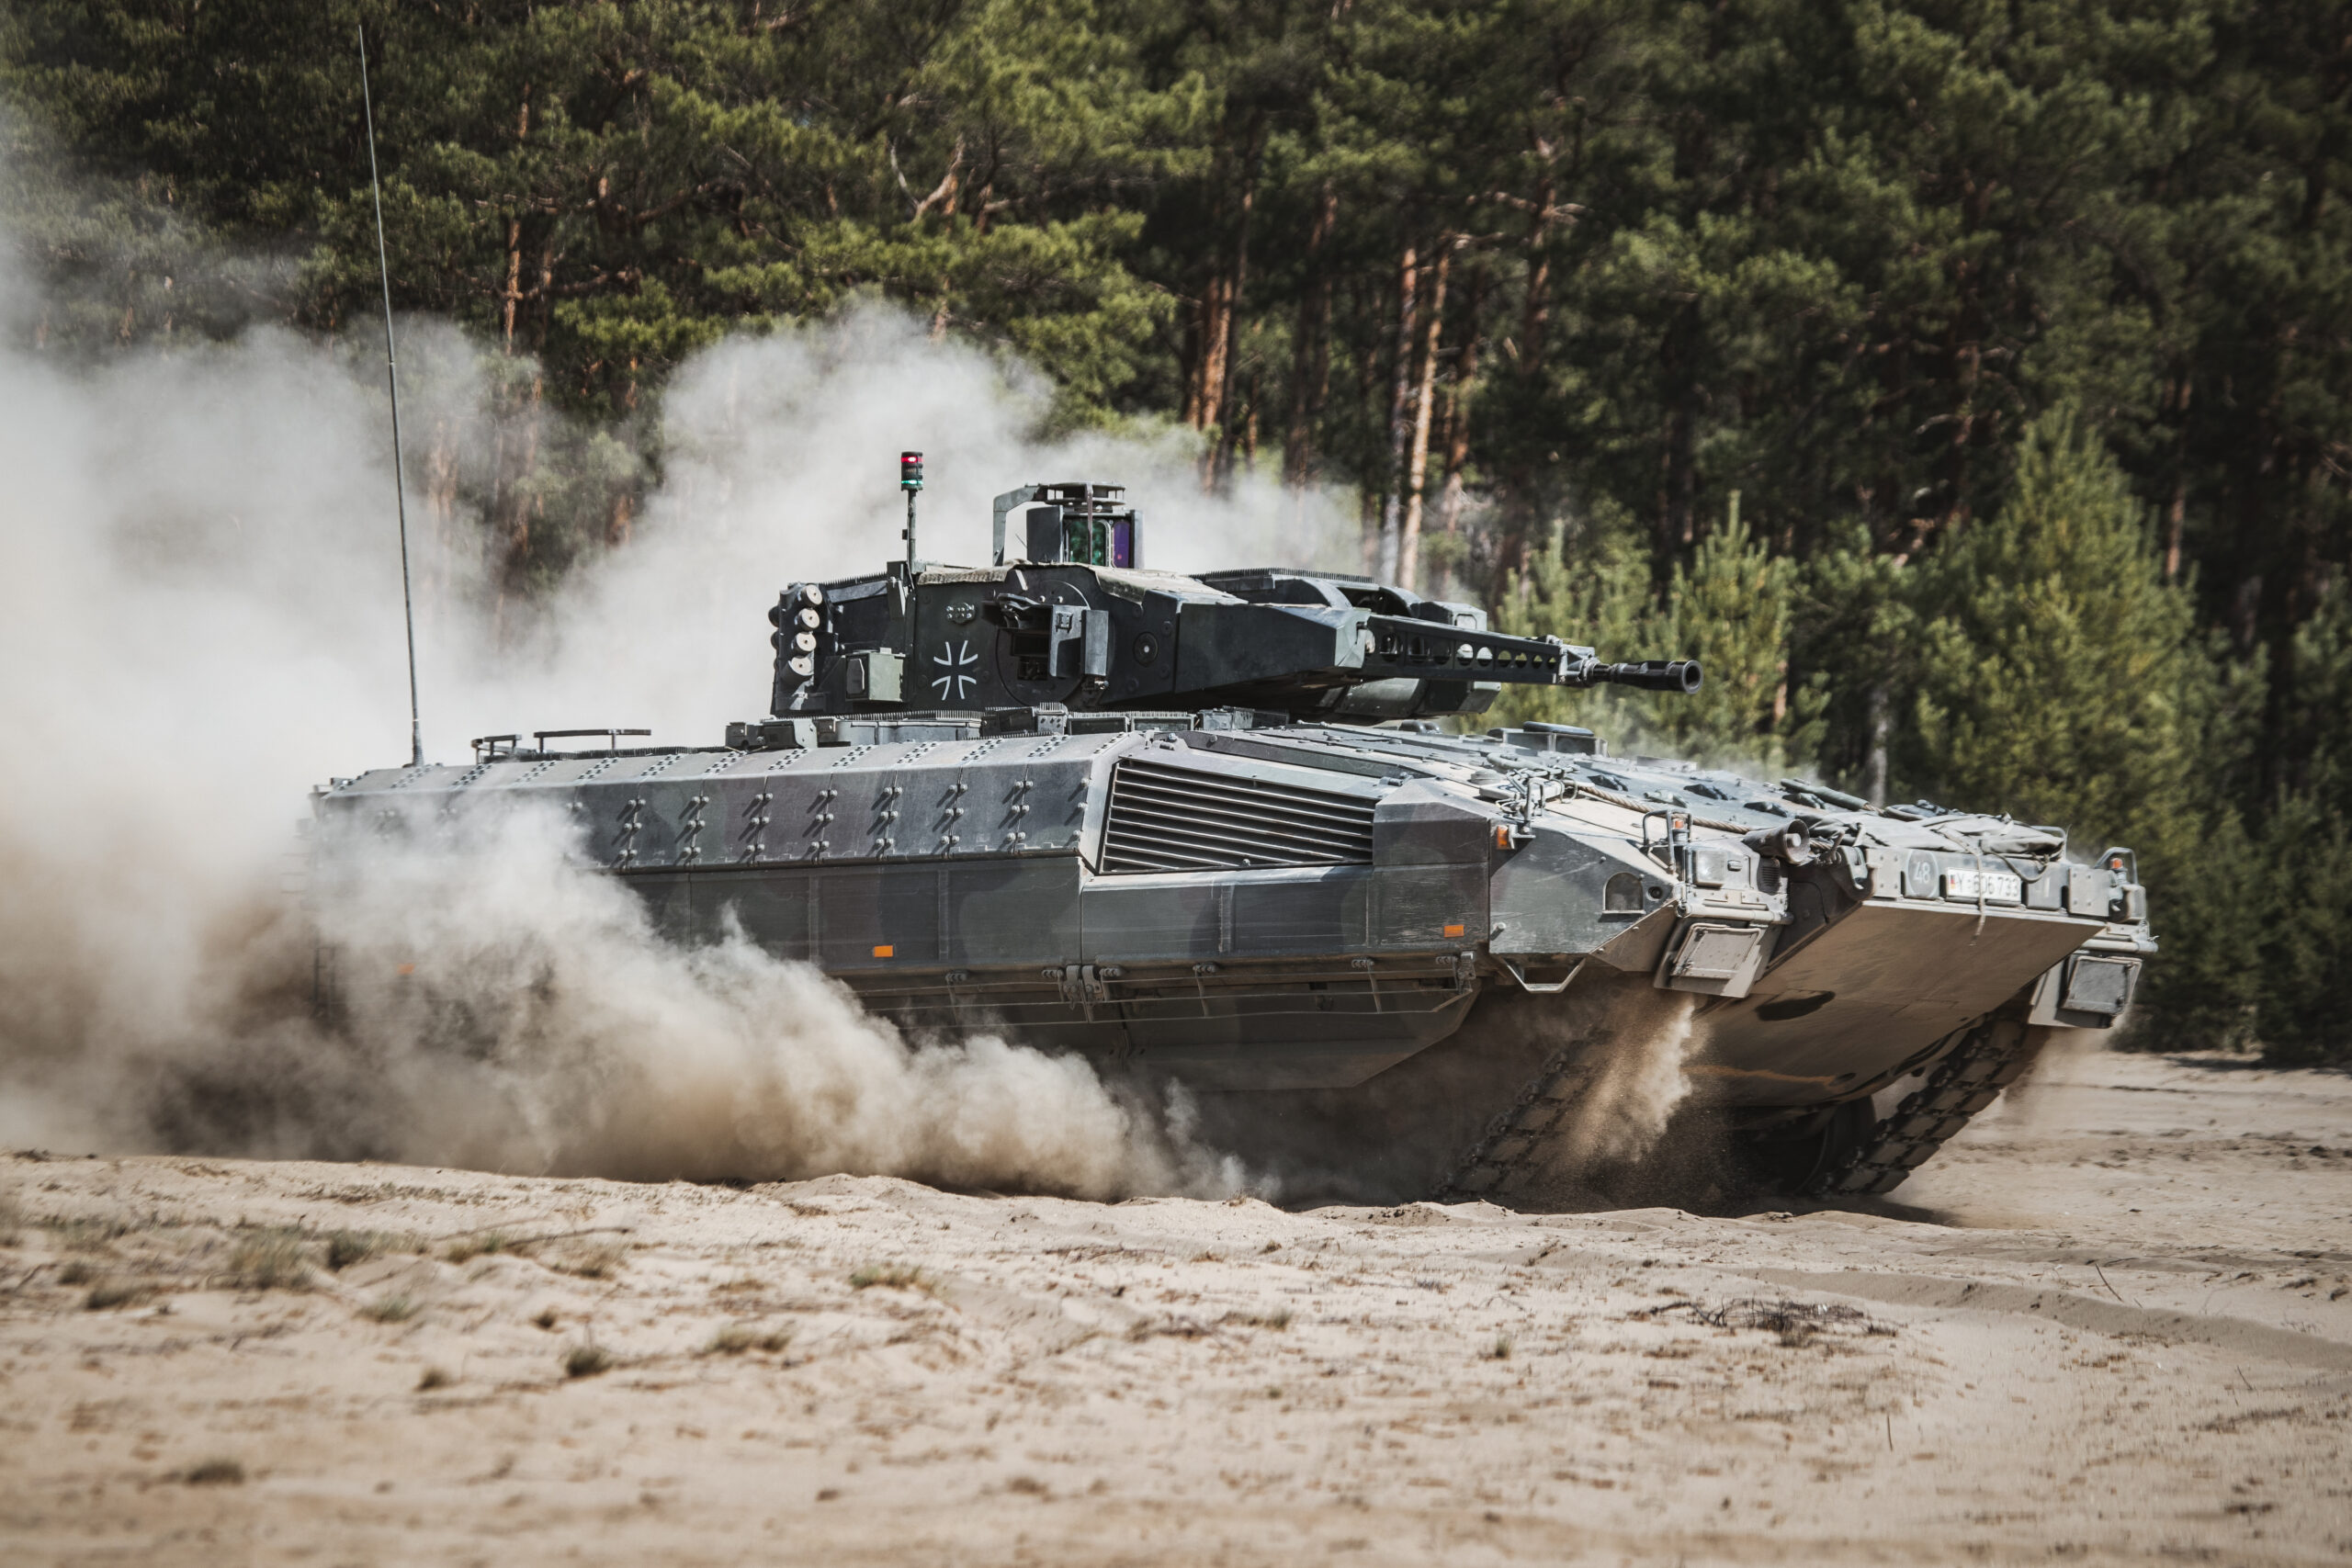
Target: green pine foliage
x,y
2059,678
2305,948
1731,608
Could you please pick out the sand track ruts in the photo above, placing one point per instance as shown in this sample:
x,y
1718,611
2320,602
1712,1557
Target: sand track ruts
x,y
2112,1321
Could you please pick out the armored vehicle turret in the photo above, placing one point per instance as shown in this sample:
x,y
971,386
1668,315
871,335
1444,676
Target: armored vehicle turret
x,y
1226,828
1075,622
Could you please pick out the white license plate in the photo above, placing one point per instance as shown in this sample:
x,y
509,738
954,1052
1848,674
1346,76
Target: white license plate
x,y
1997,886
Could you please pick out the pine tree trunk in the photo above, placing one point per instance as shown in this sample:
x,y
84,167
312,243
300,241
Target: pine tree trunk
x,y
1216,315
1400,421
518,504
1310,379
1678,522
1535,322
1409,548
1457,423
1534,328
2176,512
441,513
1217,369
511,299
1881,724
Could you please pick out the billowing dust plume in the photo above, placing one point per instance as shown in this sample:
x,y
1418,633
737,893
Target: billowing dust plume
x,y
493,1005
200,619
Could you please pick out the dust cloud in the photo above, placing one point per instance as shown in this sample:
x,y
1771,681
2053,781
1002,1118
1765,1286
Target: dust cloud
x,y
200,616
1637,1086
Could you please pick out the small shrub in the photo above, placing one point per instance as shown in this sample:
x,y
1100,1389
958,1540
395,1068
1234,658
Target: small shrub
x,y
391,1309
12,1219
1500,1350
271,1261
433,1378
546,1318
215,1473
586,1360
77,1273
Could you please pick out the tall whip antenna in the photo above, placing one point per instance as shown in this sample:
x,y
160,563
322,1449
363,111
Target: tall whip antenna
x,y
392,375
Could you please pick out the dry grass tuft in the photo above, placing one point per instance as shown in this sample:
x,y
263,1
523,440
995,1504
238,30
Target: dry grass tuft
x,y
586,1360
77,1273
596,1260
1500,1350
273,1259
1278,1318
546,1318
116,1292
12,1219
465,1249
86,1234
1028,1486
895,1277
390,1309
737,1338
433,1378
347,1248
215,1473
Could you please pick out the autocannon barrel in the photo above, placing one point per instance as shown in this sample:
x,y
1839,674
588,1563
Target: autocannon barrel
x,y
1652,674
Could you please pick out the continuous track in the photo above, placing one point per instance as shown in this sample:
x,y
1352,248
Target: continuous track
x,y
1993,1053
1510,1153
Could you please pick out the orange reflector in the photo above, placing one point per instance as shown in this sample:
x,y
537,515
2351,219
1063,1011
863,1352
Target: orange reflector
x,y
1454,930
886,951
408,968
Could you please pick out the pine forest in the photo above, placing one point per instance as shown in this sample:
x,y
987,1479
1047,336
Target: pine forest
x,y
1967,382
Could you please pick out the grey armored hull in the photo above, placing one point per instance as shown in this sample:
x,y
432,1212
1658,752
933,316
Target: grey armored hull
x,y
1308,906
1204,827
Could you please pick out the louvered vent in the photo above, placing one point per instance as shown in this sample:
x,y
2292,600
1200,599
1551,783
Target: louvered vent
x,y
1165,819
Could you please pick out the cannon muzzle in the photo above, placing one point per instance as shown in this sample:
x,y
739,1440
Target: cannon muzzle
x,y
1652,675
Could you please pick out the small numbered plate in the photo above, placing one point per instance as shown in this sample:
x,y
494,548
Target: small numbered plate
x,y
1999,886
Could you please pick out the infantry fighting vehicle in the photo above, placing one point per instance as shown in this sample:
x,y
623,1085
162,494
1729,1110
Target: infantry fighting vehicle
x,y
1218,827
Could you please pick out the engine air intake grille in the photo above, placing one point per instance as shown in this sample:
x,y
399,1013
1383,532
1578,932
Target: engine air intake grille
x,y
1164,818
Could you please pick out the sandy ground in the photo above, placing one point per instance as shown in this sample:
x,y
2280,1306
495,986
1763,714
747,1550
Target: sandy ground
x,y
2113,1322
